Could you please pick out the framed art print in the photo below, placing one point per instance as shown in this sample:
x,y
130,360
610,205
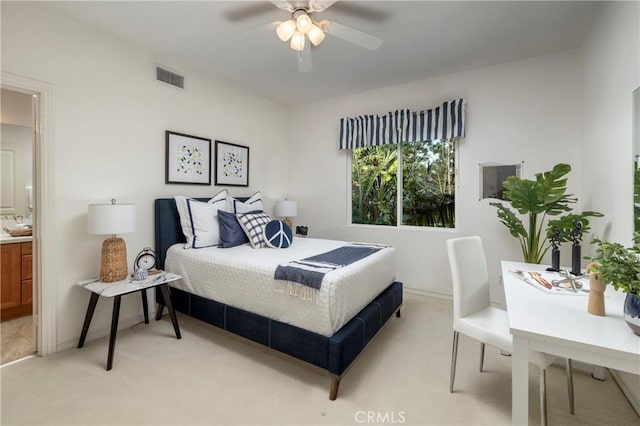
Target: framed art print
x,y
188,159
232,164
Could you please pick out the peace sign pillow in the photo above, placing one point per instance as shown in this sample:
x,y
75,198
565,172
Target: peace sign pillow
x,y
277,234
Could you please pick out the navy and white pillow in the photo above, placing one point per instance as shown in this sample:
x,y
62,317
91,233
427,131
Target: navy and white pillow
x,y
253,226
277,234
219,201
252,204
204,223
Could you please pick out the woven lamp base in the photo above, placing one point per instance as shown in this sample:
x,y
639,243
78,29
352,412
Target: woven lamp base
x,y
113,265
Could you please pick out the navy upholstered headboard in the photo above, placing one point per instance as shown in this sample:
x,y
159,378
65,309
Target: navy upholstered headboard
x,y
167,225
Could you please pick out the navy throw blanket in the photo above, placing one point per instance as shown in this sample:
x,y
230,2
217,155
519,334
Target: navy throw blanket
x,y
311,270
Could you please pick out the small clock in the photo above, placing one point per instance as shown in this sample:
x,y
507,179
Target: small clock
x,y
146,259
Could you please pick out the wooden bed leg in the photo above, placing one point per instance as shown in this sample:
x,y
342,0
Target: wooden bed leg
x,y
335,384
398,313
159,308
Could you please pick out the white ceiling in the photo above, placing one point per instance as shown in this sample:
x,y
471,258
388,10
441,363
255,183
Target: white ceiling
x,y
421,39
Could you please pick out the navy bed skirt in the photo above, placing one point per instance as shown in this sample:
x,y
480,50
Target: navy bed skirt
x,y
334,354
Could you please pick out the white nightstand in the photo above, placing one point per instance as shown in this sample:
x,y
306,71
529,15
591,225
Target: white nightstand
x,y
117,290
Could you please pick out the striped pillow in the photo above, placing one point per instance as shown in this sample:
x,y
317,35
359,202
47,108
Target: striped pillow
x,y
253,226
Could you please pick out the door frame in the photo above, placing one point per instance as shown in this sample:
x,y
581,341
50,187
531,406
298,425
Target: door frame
x,y
44,267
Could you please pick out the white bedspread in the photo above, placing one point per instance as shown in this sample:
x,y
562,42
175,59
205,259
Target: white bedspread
x,y
242,277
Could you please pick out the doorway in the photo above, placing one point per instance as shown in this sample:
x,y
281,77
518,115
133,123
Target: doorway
x,y
43,214
17,209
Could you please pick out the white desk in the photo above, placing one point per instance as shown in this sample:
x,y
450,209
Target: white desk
x,y
559,324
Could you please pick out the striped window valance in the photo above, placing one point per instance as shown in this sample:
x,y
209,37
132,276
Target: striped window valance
x,y
403,125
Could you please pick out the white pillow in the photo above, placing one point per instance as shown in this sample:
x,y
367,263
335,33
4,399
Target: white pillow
x,y
253,203
253,226
204,223
185,220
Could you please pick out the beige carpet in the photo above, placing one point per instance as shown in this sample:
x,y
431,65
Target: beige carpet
x,y
212,378
16,339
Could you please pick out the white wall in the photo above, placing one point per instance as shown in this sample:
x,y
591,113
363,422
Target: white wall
x,y
611,74
110,119
527,111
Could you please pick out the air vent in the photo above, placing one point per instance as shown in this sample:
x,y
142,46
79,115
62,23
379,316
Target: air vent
x,y
169,77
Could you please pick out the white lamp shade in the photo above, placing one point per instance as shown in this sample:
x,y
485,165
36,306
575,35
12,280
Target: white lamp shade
x,y
286,29
303,23
316,35
286,208
104,219
297,41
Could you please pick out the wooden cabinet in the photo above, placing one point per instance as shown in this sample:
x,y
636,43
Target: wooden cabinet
x,y
10,270
16,272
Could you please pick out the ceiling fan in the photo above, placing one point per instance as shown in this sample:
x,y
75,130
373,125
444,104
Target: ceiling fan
x,y
303,29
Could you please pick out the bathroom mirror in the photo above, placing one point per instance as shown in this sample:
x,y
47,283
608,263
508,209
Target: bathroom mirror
x,y
636,157
16,155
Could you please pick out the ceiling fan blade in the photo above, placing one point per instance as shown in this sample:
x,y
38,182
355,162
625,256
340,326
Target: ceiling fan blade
x,y
247,11
262,30
360,38
304,58
284,5
319,5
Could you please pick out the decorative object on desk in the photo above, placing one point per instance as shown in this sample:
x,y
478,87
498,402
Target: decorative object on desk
x,y
146,259
571,227
302,230
576,237
596,293
632,312
555,249
232,164
188,159
286,209
539,198
105,219
619,266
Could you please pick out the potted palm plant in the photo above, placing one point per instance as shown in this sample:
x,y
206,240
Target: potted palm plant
x,y
619,266
537,199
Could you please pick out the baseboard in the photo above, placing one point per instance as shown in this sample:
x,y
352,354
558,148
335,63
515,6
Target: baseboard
x,y
427,293
100,332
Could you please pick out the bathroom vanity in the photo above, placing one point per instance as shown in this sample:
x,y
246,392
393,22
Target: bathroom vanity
x,y
16,266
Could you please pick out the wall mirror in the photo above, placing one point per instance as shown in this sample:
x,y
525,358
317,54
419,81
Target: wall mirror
x,y
16,155
636,161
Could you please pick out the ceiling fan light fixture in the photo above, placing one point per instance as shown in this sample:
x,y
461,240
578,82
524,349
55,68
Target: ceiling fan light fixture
x,y
316,35
286,29
304,23
297,41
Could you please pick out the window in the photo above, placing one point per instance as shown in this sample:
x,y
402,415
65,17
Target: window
x,y
417,176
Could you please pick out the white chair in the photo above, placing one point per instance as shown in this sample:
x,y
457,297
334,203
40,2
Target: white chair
x,y
474,316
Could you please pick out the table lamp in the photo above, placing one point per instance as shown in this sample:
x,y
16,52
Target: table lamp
x,y
286,209
105,219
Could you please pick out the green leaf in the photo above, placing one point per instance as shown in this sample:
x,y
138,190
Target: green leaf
x,y
537,199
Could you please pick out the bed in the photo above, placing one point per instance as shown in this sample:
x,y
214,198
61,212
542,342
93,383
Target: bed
x,y
324,332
